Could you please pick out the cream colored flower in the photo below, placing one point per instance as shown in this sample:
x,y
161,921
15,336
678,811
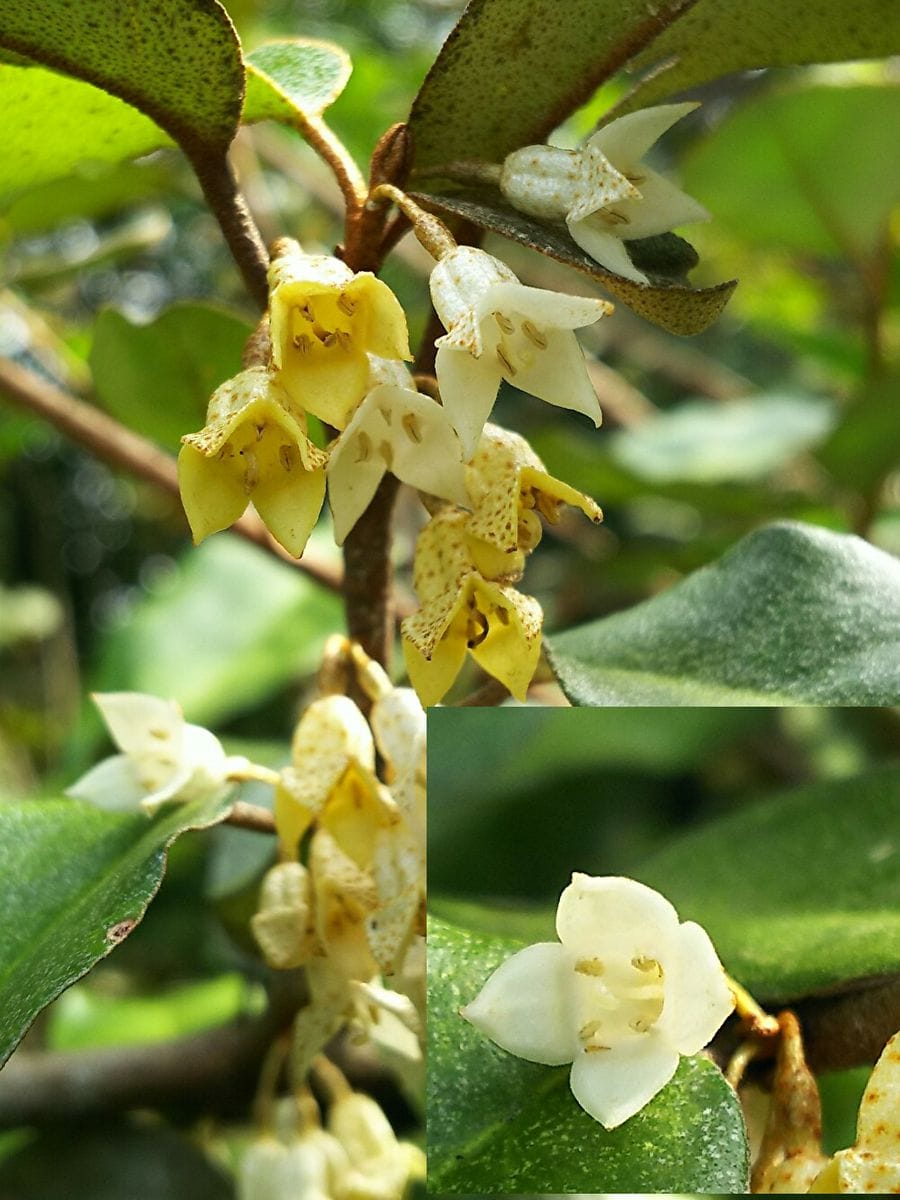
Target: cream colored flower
x,y
325,321
604,192
253,448
500,329
394,429
462,612
381,1167
163,758
623,993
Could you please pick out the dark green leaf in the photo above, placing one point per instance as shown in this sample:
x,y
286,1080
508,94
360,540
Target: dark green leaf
x,y
800,893
499,1124
177,61
158,378
720,36
665,301
61,123
290,77
865,446
793,145
74,881
270,624
792,614
512,70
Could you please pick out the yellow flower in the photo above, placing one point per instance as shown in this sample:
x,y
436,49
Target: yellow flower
x,y
509,486
461,612
253,447
325,321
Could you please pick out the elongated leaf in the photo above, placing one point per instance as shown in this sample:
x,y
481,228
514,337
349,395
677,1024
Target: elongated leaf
x,y
158,378
177,61
720,36
74,882
792,614
667,301
61,122
270,625
801,892
296,75
790,145
512,70
499,1124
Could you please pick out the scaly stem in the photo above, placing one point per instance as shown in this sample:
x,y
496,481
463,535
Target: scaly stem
x,y
429,229
330,148
250,816
238,227
751,1012
119,446
367,576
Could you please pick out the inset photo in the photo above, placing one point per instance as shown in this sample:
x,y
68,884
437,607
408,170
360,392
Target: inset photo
x,y
663,950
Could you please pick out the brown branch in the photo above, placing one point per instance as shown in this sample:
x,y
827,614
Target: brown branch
x,y
367,576
119,446
228,206
251,816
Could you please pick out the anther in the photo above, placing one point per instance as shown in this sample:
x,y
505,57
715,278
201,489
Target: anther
x,y
506,325
363,448
611,217
260,430
640,1025
344,338
590,966
504,361
477,630
502,615
328,339
287,456
534,335
386,451
306,311
411,428
302,342
346,305
251,470
643,963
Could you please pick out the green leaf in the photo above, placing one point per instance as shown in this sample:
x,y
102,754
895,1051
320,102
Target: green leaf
x,y
792,614
718,37
817,154
74,881
703,442
865,446
665,301
158,378
800,893
62,124
512,70
299,75
270,624
177,61
499,1124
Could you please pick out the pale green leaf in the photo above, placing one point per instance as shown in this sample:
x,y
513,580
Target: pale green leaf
x,y
792,614
299,75
74,881
499,1124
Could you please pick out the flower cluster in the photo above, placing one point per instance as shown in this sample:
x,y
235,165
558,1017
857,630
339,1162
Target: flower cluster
x,y
625,991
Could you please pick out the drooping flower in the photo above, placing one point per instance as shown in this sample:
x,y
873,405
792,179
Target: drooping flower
x,y
604,192
462,612
253,448
283,923
325,321
163,758
395,429
500,329
625,991
509,487
381,1167
873,1163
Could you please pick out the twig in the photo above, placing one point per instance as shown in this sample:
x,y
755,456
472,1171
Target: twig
x,y
251,816
330,148
238,227
119,446
367,576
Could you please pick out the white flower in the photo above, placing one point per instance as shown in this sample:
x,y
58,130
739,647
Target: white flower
x,y
625,991
395,429
604,192
163,758
500,329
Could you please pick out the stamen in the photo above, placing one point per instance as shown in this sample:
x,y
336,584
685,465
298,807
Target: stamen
x,y
251,470
386,450
306,311
227,451
587,1031
260,430
590,966
643,963
612,217
592,1048
504,361
363,447
346,305
635,179
161,735
386,413
327,339
534,335
506,325
502,615
477,630
640,1024
302,342
549,507
344,338
288,456
411,428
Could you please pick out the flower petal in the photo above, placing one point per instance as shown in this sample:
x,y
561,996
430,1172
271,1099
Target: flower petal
x,y
112,784
468,390
627,139
385,331
558,375
433,677
697,996
662,206
612,1085
212,491
289,503
512,647
597,915
604,248
556,310
142,726
526,1006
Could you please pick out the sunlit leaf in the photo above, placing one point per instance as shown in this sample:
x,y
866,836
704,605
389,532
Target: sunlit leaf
x,y
299,75
667,301
158,378
74,882
499,1124
792,614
